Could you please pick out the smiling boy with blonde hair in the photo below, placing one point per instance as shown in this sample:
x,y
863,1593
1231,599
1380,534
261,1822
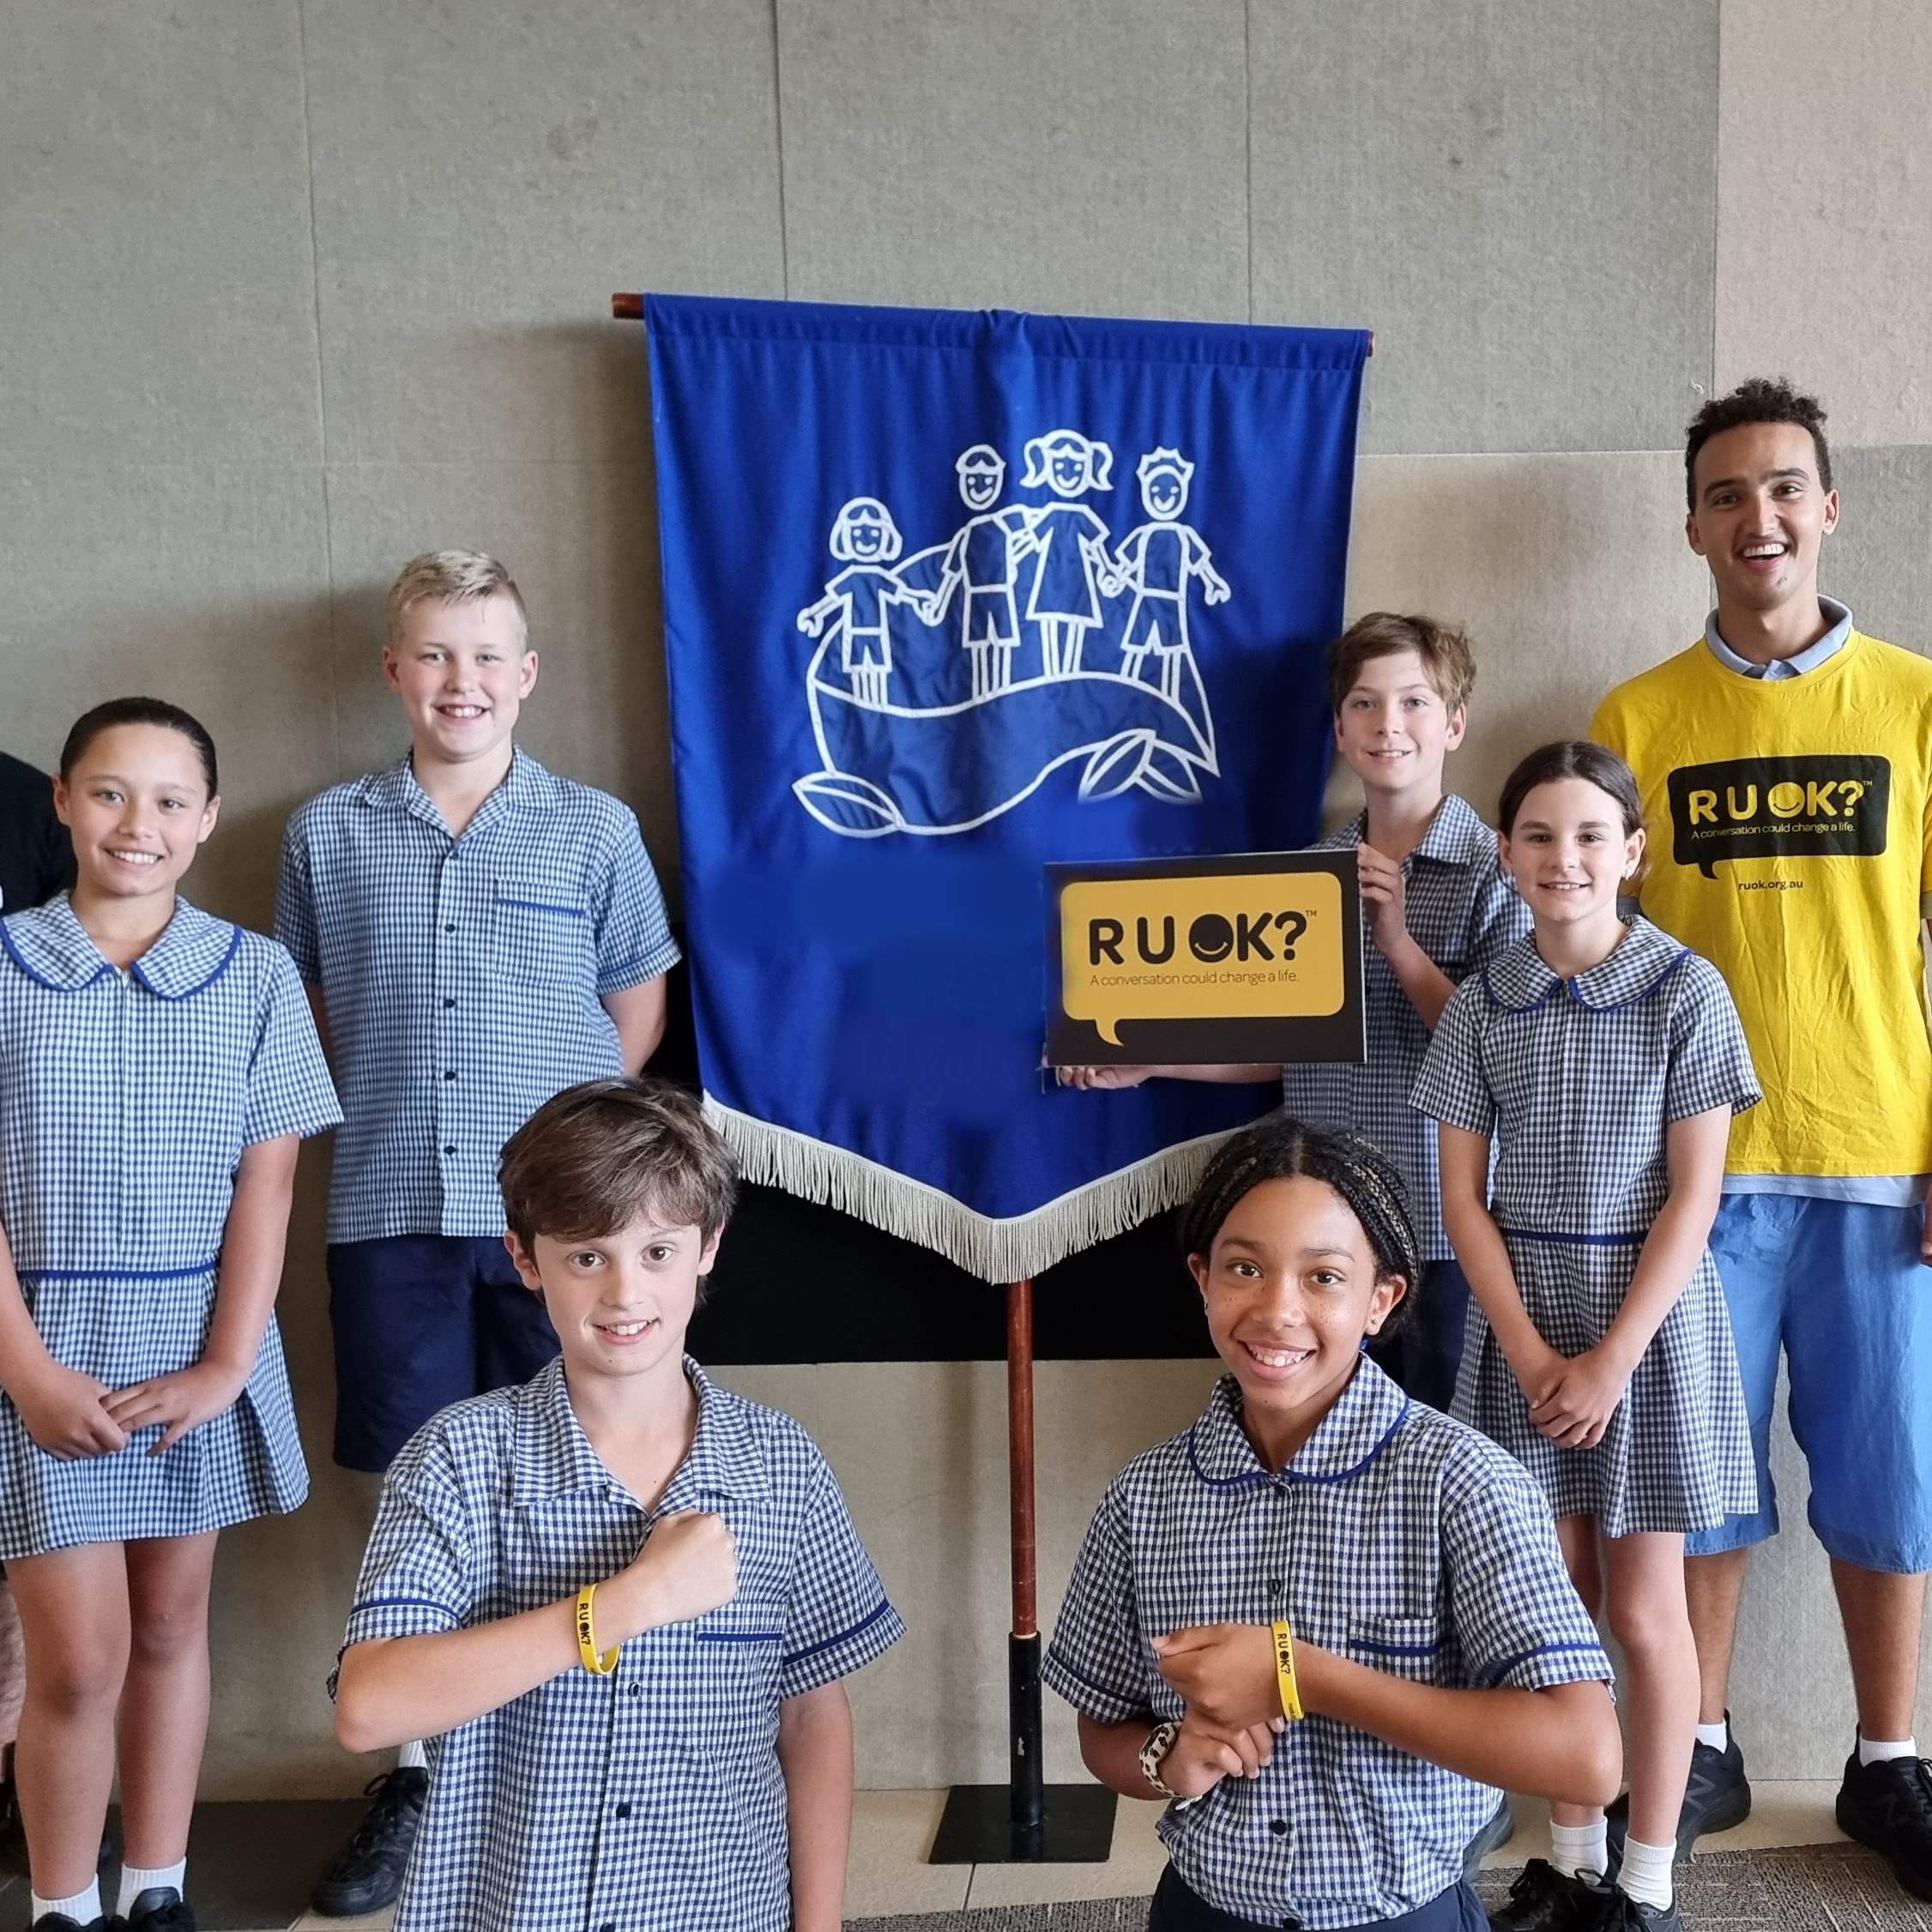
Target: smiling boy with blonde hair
x,y
475,934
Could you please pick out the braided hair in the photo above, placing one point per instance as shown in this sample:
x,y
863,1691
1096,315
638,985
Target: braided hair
x,y
1279,1148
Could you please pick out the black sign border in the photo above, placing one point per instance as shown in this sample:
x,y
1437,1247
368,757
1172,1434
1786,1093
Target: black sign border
x,y
1338,1036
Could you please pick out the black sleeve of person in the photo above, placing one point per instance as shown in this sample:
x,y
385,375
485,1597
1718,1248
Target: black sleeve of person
x,y
36,854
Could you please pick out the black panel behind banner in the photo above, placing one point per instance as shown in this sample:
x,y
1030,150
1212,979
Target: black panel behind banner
x,y
796,1282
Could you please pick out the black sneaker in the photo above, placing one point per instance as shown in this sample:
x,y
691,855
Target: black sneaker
x,y
59,1922
1500,1829
1623,1913
161,1909
1544,1899
367,1873
1888,1806
1717,1796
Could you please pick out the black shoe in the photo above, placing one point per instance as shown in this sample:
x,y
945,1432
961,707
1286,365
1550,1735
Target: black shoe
x,y
367,1873
59,1922
1888,1806
1500,1829
1623,1913
161,1909
1717,1796
1544,1899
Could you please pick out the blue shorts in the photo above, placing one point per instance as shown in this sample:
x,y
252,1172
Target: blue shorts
x,y
1422,1357
1839,1285
1176,1908
422,1321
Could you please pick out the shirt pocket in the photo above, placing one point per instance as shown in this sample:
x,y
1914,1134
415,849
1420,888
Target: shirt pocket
x,y
1401,1646
738,1655
544,935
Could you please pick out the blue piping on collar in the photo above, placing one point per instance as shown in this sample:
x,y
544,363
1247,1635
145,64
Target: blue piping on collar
x,y
41,979
1589,1006
1259,1475
188,992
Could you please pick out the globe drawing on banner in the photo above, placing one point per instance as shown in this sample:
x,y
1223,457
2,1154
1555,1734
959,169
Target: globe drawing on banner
x,y
951,683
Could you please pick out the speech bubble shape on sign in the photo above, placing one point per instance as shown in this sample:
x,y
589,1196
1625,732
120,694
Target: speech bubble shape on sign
x,y
1768,808
1231,945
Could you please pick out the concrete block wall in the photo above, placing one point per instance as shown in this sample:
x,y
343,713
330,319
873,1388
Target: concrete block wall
x,y
298,287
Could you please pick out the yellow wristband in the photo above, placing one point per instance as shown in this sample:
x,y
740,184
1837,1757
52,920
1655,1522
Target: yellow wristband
x,y
1284,1670
586,1637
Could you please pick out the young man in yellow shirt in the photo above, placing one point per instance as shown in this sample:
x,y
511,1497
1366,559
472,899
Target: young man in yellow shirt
x,y
1785,761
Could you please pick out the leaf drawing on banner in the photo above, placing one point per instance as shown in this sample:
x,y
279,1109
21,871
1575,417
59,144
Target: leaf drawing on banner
x,y
1166,774
1115,766
854,806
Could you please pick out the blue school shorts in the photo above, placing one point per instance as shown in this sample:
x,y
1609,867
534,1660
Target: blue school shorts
x,y
1839,1285
1177,1908
422,1321
1422,1357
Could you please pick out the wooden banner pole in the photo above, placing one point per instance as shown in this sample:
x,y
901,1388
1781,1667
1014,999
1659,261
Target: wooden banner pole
x,y
630,308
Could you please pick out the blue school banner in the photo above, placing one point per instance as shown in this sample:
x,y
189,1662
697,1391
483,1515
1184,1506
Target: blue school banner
x,y
947,596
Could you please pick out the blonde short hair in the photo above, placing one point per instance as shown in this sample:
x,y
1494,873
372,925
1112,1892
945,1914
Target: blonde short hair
x,y
456,576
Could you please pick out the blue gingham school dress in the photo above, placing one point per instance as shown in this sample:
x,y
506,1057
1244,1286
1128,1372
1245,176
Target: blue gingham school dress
x,y
1575,1081
125,1102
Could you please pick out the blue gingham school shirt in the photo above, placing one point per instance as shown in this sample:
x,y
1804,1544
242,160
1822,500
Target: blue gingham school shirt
x,y
1395,1537
463,976
1462,911
126,1100
650,1800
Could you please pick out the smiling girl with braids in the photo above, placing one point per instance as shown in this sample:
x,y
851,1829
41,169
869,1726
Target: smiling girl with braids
x,y
1326,1621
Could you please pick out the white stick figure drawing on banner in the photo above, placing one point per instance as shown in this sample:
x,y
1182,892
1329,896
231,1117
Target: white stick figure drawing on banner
x,y
860,599
1156,561
983,559
1065,600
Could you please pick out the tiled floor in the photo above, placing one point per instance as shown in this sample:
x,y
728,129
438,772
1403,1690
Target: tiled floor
x,y
892,1829
254,1863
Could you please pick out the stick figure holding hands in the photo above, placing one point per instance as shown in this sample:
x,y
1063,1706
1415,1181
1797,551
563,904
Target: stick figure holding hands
x,y
859,598
1072,542
1156,560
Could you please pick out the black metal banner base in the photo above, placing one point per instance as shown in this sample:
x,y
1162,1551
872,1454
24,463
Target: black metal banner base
x,y
977,1827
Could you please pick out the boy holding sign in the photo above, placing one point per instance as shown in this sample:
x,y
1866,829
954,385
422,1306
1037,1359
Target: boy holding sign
x,y
1438,907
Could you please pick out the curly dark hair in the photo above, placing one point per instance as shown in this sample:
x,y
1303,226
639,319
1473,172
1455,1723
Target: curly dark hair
x,y
1281,1147
1764,399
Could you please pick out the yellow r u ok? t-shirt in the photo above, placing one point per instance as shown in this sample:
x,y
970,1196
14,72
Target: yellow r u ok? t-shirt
x,y
1791,844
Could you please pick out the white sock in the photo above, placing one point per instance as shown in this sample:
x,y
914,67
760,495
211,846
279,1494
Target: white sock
x,y
135,1881
84,1908
1874,1750
1645,1872
1717,1735
1580,1848
411,1756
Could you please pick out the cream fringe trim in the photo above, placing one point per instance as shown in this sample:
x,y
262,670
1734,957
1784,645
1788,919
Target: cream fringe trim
x,y
995,1251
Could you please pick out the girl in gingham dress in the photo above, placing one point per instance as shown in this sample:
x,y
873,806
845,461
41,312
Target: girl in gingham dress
x,y
1408,1569
1604,1062
158,1068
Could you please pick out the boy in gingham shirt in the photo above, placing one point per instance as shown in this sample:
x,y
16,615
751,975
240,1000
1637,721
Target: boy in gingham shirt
x,y
476,934
1438,907
620,1598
